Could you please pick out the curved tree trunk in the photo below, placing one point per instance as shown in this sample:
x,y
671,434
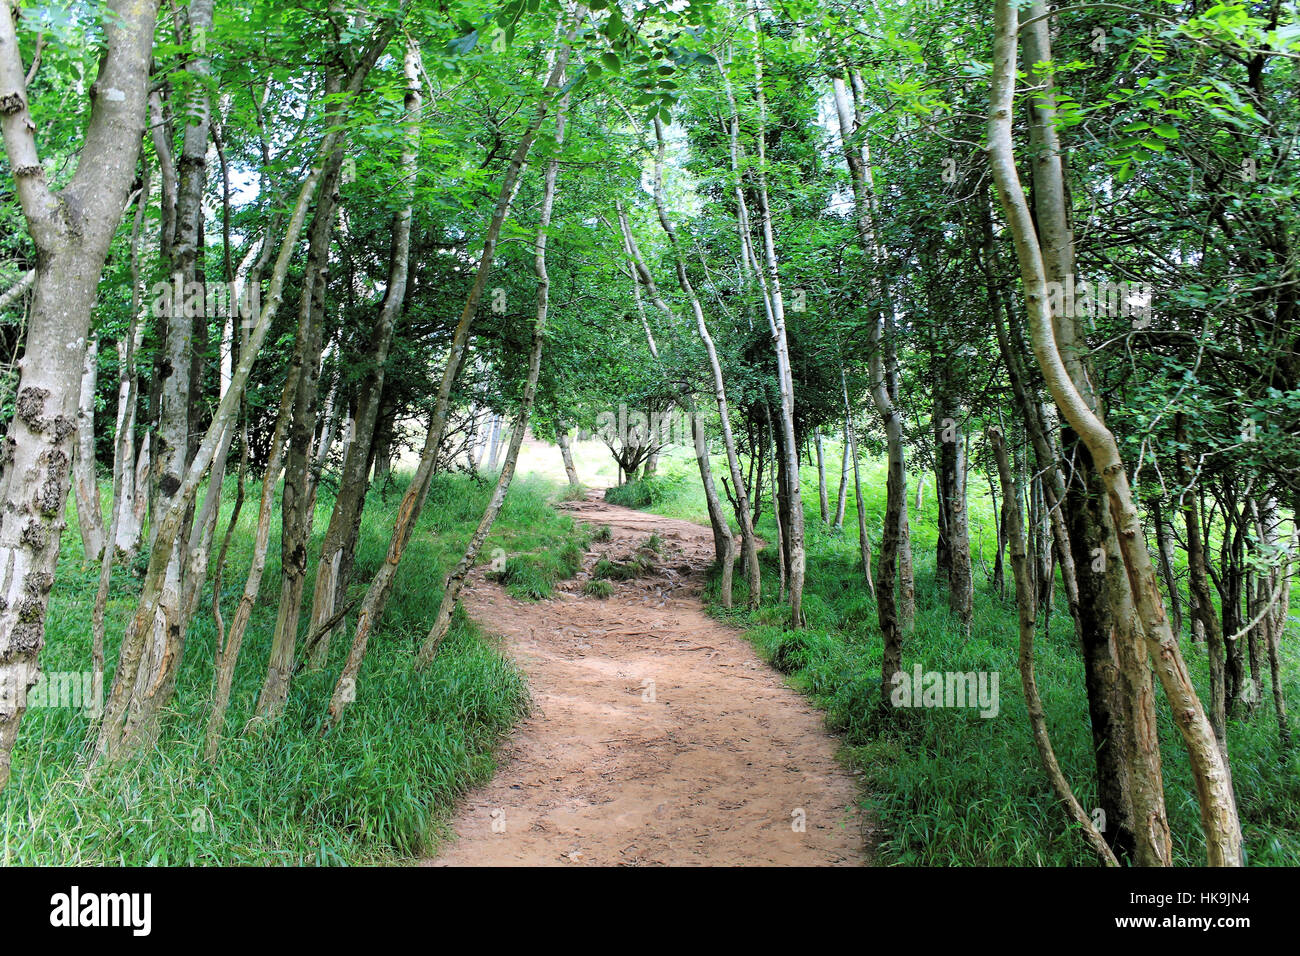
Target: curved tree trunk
x,y
297,501
721,531
1028,615
1218,809
117,734
456,579
345,518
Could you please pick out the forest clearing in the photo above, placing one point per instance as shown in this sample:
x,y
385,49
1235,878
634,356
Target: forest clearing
x,y
737,433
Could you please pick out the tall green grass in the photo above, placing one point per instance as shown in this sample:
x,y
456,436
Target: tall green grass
x,y
378,789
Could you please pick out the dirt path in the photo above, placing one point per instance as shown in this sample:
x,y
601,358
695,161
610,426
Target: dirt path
x,y
658,736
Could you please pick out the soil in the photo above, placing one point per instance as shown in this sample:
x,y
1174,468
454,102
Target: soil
x,y
657,736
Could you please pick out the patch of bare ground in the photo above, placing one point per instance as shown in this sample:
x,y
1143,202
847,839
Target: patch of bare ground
x,y
658,737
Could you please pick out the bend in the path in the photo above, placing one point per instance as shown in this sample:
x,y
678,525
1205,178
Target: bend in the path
x,y
657,736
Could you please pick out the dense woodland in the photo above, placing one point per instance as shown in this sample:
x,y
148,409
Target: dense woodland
x,y
1037,265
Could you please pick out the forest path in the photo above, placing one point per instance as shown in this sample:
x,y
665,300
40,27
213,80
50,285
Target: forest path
x,y
709,769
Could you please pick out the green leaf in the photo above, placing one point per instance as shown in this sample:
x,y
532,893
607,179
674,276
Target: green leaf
x,y
462,45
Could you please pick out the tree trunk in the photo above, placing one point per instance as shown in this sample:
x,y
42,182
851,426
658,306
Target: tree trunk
x,y
822,499
892,538
334,565
566,452
1165,539
38,448
1218,809
1198,584
172,451
117,733
123,460
494,443
794,532
841,500
724,543
749,547
90,516
228,653
864,540
456,579
1028,615
297,500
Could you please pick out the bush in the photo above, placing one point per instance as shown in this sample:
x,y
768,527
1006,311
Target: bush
x,y
532,577
644,492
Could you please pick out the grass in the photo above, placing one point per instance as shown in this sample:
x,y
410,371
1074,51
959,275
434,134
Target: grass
x,y
379,789
640,564
647,493
532,577
598,588
948,786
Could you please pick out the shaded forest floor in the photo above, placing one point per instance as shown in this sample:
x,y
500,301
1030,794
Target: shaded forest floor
x,y
657,736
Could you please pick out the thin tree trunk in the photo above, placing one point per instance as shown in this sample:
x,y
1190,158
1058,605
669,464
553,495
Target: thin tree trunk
x,y
961,577
456,579
297,500
1027,616
1198,583
864,540
794,533
228,656
775,482
888,609
749,545
90,516
181,251
1165,540
724,543
18,289
345,518
566,452
122,457
494,443
1113,627
822,499
841,500
116,735
372,607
